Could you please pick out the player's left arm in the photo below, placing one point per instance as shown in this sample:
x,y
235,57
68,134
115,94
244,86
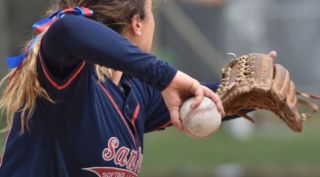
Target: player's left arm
x,y
212,86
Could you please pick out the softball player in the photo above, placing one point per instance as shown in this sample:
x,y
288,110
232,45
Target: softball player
x,y
80,98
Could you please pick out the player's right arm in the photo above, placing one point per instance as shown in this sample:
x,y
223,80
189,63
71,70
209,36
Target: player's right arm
x,y
157,114
73,39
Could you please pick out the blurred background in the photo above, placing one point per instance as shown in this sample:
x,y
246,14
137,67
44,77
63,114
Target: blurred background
x,y
195,36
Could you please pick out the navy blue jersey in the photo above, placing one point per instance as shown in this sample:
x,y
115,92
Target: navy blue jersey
x,y
93,128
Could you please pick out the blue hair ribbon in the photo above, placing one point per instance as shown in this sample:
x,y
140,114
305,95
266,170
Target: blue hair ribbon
x,y
41,26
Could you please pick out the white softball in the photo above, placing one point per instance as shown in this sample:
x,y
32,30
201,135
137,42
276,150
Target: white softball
x,y
202,121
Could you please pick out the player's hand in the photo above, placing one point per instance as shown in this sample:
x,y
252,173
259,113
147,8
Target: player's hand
x,y
181,88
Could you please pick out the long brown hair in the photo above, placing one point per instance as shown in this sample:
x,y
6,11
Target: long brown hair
x,y
22,84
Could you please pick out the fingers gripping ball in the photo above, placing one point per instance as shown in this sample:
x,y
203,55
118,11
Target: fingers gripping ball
x,y
202,121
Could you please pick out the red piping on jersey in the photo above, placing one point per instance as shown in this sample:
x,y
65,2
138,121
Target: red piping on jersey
x,y
118,110
68,82
165,125
135,115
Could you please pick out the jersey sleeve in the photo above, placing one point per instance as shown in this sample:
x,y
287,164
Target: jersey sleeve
x,y
74,39
157,114
212,86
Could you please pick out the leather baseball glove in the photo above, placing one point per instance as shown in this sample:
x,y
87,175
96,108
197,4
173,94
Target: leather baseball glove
x,y
254,82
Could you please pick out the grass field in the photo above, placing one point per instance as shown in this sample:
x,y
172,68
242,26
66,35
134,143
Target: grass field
x,y
271,151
